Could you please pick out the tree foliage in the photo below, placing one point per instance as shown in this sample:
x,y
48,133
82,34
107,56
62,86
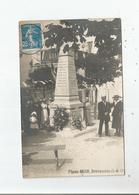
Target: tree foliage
x,y
43,77
68,31
43,74
100,67
107,33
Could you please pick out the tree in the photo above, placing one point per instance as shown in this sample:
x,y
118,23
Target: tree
x,y
43,77
67,31
105,64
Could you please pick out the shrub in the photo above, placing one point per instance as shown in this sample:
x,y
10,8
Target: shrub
x,y
61,118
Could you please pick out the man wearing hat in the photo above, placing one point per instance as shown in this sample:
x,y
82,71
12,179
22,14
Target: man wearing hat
x,y
117,114
104,109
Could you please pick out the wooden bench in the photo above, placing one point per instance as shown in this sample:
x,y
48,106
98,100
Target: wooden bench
x,y
34,149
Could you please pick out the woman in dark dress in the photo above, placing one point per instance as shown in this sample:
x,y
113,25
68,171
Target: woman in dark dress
x,y
117,115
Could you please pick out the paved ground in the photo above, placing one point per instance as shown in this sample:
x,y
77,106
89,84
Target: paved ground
x,y
85,154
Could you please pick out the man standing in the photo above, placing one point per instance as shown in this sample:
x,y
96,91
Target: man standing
x,y
117,115
104,109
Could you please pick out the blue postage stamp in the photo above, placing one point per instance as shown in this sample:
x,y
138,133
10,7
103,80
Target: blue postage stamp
x,y
31,36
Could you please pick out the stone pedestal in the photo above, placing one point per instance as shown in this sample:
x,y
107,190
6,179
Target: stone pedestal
x,y
66,91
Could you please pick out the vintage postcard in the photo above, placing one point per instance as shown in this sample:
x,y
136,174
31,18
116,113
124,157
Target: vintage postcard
x,y
71,97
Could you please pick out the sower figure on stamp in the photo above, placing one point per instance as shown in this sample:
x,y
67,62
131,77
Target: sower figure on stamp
x,y
117,115
104,109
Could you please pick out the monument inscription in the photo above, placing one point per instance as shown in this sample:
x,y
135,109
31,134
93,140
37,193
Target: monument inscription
x,y
66,91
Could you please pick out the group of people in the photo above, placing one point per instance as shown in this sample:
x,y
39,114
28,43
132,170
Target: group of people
x,y
116,110
35,116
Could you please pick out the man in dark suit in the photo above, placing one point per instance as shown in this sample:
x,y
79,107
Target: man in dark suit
x,y
104,109
117,115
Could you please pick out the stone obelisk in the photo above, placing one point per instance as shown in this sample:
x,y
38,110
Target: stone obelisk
x,y
66,91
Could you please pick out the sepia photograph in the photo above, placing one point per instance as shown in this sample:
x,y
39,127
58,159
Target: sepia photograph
x,y
71,89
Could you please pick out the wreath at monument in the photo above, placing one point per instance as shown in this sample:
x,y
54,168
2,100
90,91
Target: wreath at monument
x,y
76,121
61,118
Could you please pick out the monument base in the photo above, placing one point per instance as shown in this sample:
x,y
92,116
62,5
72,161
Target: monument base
x,y
74,108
